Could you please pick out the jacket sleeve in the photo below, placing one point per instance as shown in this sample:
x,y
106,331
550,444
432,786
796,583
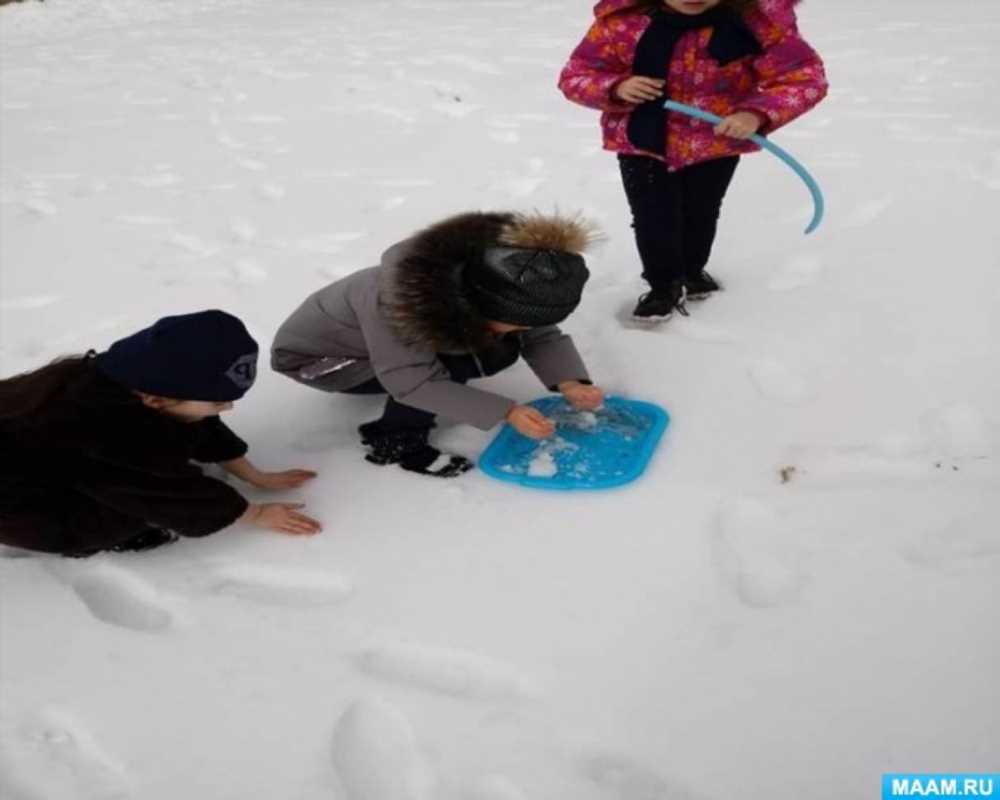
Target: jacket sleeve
x,y
552,356
217,442
416,377
790,81
781,12
190,504
593,71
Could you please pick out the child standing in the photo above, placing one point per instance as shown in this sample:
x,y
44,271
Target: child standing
x,y
743,60
98,448
461,300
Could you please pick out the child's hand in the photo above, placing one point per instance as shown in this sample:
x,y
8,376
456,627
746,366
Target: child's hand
x,y
531,422
639,89
582,396
288,479
741,125
281,517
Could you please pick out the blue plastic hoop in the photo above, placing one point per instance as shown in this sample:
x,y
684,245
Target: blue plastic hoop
x,y
819,204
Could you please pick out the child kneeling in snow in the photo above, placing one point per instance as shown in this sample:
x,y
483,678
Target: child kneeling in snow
x,y
98,448
463,299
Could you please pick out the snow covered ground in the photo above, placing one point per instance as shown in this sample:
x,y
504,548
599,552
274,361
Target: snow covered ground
x,y
800,595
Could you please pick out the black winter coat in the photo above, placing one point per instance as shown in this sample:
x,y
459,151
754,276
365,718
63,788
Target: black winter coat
x,y
95,467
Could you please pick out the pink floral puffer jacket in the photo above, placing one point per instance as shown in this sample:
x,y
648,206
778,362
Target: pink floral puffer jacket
x,y
780,84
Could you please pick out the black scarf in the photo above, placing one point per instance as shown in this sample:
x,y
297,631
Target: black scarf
x,y
731,40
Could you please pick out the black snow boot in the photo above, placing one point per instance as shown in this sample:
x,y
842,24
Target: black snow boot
x,y
701,286
146,540
659,305
411,450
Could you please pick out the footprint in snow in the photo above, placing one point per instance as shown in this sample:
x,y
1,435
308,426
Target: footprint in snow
x,y
959,431
752,556
518,186
51,755
987,171
117,596
285,586
271,191
247,272
329,243
624,779
40,207
869,212
251,164
242,231
470,64
29,302
376,757
229,141
882,463
798,271
505,136
699,331
775,381
192,244
455,109
969,541
452,672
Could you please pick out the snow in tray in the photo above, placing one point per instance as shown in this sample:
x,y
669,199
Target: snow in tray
x,y
589,447
801,593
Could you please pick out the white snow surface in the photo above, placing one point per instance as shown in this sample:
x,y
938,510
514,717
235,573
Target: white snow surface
x,y
711,631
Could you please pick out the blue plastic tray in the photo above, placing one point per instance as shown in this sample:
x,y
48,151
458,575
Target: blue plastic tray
x,y
590,450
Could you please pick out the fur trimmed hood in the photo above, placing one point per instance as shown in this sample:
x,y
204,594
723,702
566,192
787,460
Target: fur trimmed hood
x,y
428,302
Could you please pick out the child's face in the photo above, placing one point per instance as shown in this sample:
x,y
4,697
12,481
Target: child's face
x,y
691,7
185,410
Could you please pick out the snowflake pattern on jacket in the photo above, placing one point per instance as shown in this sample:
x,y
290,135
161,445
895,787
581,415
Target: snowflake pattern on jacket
x,y
780,84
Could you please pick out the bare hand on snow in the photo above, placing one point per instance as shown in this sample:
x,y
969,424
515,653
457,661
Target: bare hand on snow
x,y
582,396
530,422
281,517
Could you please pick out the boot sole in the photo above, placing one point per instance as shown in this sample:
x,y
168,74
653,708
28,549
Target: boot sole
x,y
652,320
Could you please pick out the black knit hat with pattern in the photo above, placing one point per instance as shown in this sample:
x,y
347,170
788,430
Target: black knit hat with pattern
x,y
526,286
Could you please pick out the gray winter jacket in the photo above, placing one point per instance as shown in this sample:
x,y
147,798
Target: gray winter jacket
x,y
347,328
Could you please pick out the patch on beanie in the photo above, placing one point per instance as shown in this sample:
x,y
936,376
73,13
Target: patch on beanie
x,y
243,371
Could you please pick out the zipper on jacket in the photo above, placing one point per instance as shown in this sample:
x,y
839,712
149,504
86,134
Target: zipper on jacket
x,y
479,365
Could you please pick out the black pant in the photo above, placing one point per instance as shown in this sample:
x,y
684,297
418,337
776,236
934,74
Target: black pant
x,y
674,214
398,417
71,524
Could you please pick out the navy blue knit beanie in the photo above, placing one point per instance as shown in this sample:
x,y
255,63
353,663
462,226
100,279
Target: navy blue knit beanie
x,y
208,355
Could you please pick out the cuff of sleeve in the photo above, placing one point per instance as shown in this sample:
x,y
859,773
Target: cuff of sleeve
x,y
232,455
585,381
493,415
612,87
765,120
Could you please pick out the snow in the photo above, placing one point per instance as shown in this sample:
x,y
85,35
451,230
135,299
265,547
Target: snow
x,y
707,632
376,757
543,465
